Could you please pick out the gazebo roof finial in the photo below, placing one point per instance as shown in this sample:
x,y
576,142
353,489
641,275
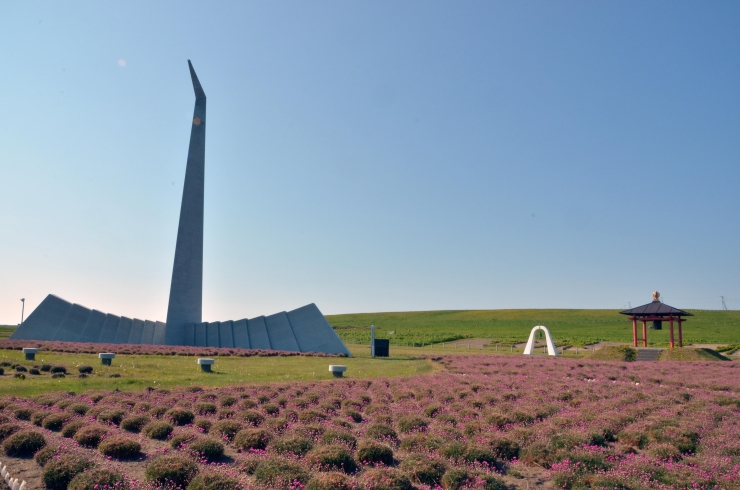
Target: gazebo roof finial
x,y
656,296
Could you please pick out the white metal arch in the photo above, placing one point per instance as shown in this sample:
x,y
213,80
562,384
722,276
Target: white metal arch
x,y
529,349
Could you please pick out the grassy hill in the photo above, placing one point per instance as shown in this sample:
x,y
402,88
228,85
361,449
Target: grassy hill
x,y
571,327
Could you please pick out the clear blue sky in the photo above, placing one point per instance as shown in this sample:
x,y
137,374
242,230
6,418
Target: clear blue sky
x,y
373,156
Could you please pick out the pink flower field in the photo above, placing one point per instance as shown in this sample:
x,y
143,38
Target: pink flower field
x,y
480,422
150,350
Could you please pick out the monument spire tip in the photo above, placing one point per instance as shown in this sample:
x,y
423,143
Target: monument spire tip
x,y
199,94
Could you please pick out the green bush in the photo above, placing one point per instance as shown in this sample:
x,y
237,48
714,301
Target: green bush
x,y
505,449
23,413
455,479
33,371
208,447
111,416
90,436
21,369
45,368
371,453
454,450
330,481
226,413
158,430
8,429
45,455
134,423
158,411
422,469
477,454
214,481
58,473
58,375
281,474
180,416
79,408
432,409
292,444
70,428
251,439
204,425
38,417
329,458
253,417
205,408
182,438
277,424
23,444
97,479
85,369
308,416
485,481
172,470
227,428
386,479
247,404
271,409
227,401
353,414
57,369
421,442
382,432
332,436
410,423
55,421
119,447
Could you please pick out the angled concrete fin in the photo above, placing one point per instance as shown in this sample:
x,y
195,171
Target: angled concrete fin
x,y
93,327
280,332
258,333
108,334
124,330
212,335
241,334
44,320
225,334
147,336
159,328
71,327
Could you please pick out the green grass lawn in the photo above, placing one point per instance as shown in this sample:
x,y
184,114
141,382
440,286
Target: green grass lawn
x,y
168,371
571,327
5,331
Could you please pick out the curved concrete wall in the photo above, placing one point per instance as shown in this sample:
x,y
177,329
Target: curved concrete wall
x,y
301,330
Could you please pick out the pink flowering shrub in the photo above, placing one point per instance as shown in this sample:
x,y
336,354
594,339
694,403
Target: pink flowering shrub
x,y
156,350
475,423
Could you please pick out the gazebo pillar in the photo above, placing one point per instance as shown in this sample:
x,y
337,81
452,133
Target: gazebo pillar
x,y
644,333
672,344
680,333
634,331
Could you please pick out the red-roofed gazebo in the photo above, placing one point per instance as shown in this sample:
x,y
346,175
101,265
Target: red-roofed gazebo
x,y
656,312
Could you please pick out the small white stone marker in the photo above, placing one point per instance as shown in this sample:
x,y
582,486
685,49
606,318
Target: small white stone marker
x,y
337,370
106,357
30,353
205,364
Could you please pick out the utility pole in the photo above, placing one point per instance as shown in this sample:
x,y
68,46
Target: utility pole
x,y
23,308
724,306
